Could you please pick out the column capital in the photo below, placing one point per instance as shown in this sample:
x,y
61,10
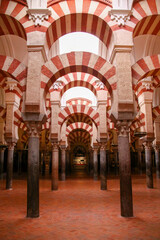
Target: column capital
x,y
11,145
123,127
34,129
103,145
55,146
156,147
147,145
63,147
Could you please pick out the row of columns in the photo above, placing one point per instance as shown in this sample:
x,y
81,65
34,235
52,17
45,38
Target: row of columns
x,y
33,170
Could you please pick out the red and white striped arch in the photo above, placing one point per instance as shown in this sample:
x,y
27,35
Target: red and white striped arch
x,y
145,67
138,122
78,79
9,25
140,11
155,112
79,117
79,125
78,62
10,67
79,16
148,25
79,136
18,10
86,110
18,121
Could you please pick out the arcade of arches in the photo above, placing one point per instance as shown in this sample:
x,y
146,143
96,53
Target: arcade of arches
x,y
117,136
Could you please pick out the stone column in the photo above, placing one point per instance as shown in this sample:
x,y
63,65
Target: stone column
x,y
91,161
9,173
103,178
140,160
55,168
1,161
95,163
156,149
33,170
148,159
19,161
67,162
63,163
125,169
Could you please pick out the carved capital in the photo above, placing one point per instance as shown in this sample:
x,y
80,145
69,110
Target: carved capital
x,y
11,145
34,129
57,84
120,16
147,83
100,84
103,146
38,15
156,148
63,147
147,145
123,128
11,84
55,146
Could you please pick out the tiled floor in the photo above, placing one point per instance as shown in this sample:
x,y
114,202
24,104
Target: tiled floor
x,y
79,210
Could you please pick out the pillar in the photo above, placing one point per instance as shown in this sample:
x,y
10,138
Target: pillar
x,y
33,171
63,163
1,162
67,161
125,169
103,178
140,160
9,173
55,168
19,161
95,164
156,149
148,160
91,161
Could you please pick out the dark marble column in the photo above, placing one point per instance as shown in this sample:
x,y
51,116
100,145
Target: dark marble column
x,y
103,164
33,171
156,149
67,162
140,160
63,163
148,159
19,161
1,161
125,169
95,163
9,174
55,168
91,161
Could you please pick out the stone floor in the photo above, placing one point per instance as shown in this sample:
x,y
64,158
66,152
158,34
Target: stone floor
x,y
79,210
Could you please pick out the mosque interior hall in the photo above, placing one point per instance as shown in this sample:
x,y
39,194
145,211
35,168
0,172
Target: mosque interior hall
x,y
79,119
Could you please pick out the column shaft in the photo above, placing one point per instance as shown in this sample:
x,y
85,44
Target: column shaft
x,y
33,178
125,176
157,162
1,162
95,163
63,165
9,174
149,174
103,169
55,160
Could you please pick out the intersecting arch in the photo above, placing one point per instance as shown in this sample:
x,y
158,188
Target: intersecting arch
x,y
145,67
77,62
70,110
79,125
